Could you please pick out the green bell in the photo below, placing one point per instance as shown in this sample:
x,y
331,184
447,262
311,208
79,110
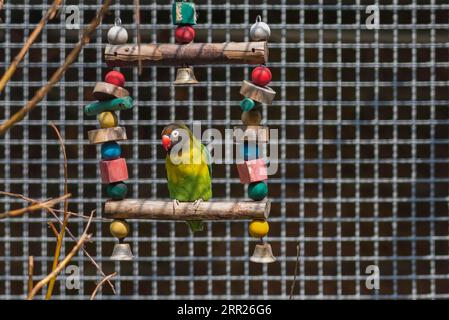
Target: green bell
x,y
183,13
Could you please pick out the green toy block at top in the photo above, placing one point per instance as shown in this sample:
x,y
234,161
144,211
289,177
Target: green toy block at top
x,y
108,105
183,13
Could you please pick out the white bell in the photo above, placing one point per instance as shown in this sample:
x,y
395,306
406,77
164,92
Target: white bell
x,y
117,34
260,31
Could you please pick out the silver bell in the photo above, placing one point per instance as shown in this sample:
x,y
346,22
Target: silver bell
x,y
185,75
122,252
260,31
263,254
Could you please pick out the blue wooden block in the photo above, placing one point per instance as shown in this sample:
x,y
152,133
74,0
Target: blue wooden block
x,y
110,150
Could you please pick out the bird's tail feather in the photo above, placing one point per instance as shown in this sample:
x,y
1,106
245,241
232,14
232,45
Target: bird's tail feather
x,y
195,225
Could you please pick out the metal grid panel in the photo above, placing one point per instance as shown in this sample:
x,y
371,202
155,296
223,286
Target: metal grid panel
x,y
363,170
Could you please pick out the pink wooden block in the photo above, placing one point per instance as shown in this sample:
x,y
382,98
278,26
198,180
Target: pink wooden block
x,y
113,170
252,171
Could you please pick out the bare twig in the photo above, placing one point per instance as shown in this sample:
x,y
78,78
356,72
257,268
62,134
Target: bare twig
x,y
34,207
53,211
30,273
61,265
53,228
71,57
66,215
101,283
292,288
49,15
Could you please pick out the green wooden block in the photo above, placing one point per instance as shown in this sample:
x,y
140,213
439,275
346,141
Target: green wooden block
x,y
183,13
108,105
117,191
247,104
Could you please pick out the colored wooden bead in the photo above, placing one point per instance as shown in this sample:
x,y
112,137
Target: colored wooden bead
x,y
184,34
117,34
251,133
107,119
116,78
113,170
251,118
119,228
258,228
247,104
183,13
117,191
257,190
109,105
252,171
248,150
106,134
261,76
110,150
259,31
107,91
257,93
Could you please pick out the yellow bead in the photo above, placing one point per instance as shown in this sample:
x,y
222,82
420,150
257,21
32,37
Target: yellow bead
x,y
258,228
251,118
119,228
107,119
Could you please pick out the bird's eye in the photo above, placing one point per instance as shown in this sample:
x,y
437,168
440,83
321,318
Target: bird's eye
x,y
175,134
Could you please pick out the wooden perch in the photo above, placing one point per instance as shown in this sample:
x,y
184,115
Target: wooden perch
x,y
163,210
187,54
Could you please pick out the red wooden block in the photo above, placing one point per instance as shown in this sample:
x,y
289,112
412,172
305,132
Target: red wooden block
x,y
113,170
252,171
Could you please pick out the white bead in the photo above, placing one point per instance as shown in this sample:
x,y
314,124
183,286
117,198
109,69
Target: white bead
x,y
117,34
260,31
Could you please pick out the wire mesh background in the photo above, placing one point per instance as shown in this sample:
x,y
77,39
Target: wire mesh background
x,y
363,169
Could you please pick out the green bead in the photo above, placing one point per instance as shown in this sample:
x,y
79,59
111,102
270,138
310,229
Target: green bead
x,y
247,104
117,191
108,105
257,190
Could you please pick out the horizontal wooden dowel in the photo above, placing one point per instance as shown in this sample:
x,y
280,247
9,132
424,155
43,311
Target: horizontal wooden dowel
x,y
163,210
187,54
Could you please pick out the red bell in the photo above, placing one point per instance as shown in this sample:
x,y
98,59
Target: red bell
x,y
184,34
115,78
261,76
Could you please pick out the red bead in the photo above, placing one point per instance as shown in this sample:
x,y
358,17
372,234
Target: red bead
x,y
261,76
184,34
116,78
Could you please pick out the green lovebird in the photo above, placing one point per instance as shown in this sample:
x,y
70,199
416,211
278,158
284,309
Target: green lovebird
x,y
188,169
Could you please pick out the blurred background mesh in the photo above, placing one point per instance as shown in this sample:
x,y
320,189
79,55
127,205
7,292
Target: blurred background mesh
x,y
363,169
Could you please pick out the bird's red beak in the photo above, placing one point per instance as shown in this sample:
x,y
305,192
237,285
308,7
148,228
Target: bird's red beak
x,y
166,142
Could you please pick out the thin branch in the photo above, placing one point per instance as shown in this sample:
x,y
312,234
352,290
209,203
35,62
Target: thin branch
x,y
75,214
292,288
53,228
30,273
66,215
80,243
53,211
137,17
34,207
49,15
71,57
101,283
61,265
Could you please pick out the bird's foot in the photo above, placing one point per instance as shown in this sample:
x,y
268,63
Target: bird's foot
x,y
175,205
196,204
